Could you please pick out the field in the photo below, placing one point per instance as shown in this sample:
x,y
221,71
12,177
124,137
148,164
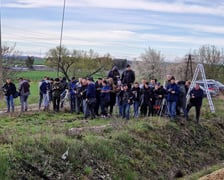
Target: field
x,y
35,77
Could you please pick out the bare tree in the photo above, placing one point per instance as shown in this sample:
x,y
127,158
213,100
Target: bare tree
x,y
10,58
76,62
65,62
151,65
211,57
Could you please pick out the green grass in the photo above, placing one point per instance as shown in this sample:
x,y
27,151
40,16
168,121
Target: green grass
x,y
145,149
36,76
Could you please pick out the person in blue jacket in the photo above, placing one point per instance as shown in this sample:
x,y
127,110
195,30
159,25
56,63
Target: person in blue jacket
x,y
72,89
172,97
91,96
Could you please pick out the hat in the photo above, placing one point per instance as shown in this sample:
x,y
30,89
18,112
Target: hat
x,y
158,83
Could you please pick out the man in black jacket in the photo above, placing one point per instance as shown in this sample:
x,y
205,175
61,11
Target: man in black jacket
x,y
196,96
9,90
128,76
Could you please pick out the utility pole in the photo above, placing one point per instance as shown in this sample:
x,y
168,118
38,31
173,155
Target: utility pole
x,y
62,26
1,70
189,68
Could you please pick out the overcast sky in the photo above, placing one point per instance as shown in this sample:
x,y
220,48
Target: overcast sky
x,y
123,28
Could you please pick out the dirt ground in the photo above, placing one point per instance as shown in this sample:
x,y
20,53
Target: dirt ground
x,y
217,175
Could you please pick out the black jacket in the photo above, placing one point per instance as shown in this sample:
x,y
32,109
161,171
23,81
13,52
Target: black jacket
x,y
124,96
128,77
9,89
136,93
198,96
147,96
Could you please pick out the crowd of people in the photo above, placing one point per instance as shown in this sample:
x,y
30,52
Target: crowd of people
x,y
99,98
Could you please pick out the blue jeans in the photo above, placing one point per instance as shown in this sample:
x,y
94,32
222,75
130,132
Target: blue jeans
x,y
172,108
45,100
10,103
24,103
85,108
120,110
126,110
136,108
72,102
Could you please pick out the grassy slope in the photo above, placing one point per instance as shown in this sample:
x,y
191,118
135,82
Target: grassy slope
x,y
31,146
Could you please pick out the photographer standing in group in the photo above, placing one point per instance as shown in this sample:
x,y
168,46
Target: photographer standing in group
x,y
196,96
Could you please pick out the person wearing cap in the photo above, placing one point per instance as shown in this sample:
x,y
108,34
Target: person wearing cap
x,y
91,96
172,98
196,97
128,76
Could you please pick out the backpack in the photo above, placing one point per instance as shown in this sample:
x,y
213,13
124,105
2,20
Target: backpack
x,y
26,87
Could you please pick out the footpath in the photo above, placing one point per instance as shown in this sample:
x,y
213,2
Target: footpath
x,y
217,175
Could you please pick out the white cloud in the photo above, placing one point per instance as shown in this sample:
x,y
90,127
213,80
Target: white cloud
x,y
175,7
122,33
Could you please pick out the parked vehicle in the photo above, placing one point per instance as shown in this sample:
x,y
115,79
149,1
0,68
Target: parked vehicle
x,y
212,88
217,83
